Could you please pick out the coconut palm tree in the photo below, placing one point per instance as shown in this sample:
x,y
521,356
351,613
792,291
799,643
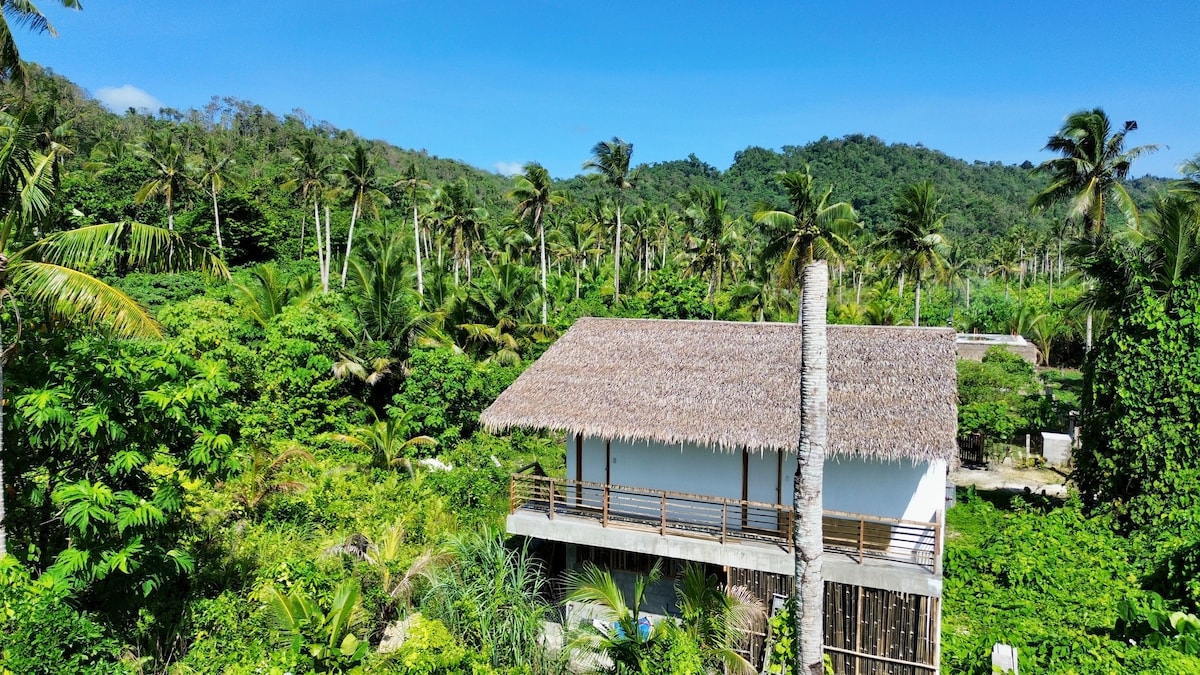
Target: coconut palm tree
x,y
215,167
268,292
611,159
170,171
1190,183
462,218
627,643
916,240
1092,165
383,297
811,228
358,170
535,196
574,240
22,13
414,187
707,213
718,618
810,463
310,181
386,439
261,480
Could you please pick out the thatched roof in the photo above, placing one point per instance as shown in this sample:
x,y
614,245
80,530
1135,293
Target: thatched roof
x,y
733,385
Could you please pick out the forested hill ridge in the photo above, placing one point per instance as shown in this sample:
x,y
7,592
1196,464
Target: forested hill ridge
x,y
983,201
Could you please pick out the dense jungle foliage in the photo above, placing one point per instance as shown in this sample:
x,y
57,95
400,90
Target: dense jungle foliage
x,y
249,353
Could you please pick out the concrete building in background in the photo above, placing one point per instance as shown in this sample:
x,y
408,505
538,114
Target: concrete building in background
x,y
680,442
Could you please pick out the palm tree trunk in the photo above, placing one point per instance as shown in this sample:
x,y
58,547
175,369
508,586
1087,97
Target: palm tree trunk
x,y
417,250
349,242
810,469
537,218
217,221
328,251
617,258
320,249
577,280
917,309
3,513
457,257
968,292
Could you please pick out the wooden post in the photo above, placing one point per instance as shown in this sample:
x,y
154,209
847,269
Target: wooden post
x,y
862,535
938,529
512,494
724,519
551,499
663,526
604,508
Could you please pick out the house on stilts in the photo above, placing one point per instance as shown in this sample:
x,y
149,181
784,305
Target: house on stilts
x,y
680,442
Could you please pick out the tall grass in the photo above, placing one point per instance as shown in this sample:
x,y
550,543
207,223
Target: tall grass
x,y
493,598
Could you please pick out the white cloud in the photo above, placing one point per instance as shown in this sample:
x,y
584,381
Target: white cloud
x,y
509,168
120,99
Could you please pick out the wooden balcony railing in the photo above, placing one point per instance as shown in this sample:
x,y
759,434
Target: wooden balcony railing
x,y
725,520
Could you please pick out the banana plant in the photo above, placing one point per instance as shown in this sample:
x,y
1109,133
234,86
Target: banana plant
x,y
324,635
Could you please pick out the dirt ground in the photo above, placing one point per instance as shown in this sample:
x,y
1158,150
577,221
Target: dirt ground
x,y
1047,481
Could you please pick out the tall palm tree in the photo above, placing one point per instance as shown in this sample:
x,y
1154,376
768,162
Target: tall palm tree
x,y
461,223
811,228
1094,161
707,212
611,159
22,13
916,240
358,170
170,170
214,167
309,181
575,240
414,187
535,196
810,463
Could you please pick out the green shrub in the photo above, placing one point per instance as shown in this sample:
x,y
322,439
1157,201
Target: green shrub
x,y
41,633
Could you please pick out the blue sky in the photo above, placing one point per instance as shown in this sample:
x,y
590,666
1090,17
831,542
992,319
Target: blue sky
x,y
497,84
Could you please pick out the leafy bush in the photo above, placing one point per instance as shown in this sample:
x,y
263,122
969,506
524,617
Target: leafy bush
x,y
41,633
450,390
1141,423
1047,579
999,397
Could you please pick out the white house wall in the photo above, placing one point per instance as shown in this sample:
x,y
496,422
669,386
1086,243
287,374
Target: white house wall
x,y
895,489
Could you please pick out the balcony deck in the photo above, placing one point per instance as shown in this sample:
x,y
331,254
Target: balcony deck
x,y
718,530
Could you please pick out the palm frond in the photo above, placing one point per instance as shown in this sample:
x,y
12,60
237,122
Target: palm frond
x,y
69,293
136,245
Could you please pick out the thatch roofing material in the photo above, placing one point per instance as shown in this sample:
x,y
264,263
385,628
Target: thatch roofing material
x,y
733,385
